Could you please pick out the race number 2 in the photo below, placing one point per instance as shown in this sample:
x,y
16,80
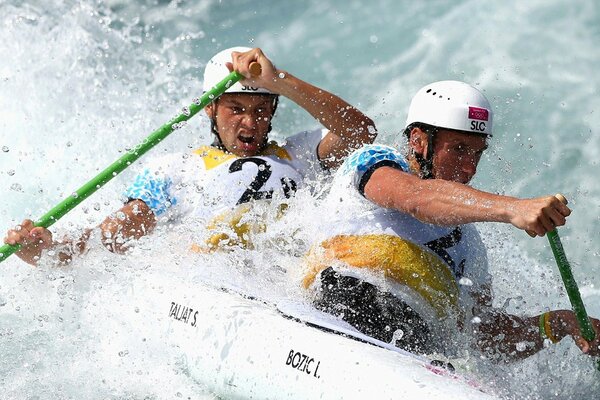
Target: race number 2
x,y
264,172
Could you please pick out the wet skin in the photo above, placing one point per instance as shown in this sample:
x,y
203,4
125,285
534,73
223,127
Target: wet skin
x,y
242,121
457,155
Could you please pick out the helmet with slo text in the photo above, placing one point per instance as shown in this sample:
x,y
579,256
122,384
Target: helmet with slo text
x,y
216,70
451,105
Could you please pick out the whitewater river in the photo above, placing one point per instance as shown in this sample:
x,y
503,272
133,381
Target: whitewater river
x,y
82,81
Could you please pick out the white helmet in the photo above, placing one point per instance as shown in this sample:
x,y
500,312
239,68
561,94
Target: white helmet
x,y
216,70
452,105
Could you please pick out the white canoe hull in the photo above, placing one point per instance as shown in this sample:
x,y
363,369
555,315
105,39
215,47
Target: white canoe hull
x,y
244,348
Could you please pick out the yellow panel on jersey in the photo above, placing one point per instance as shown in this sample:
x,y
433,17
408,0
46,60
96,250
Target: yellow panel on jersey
x,y
238,232
231,231
398,259
213,157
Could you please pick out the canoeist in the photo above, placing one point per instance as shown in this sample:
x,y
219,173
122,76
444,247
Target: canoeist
x,y
403,262
218,183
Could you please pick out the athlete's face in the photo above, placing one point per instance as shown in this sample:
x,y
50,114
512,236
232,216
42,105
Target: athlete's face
x,y
242,121
456,155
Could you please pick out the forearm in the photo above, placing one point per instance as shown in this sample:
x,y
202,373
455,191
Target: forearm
x,y
436,201
520,337
451,203
349,128
132,221
509,336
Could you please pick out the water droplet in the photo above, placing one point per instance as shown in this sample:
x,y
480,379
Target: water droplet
x,y
97,206
186,111
476,320
211,96
123,353
373,39
397,335
10,172
281,75
69,144
16,187
74,195
121,215
196,101
465,281
5,149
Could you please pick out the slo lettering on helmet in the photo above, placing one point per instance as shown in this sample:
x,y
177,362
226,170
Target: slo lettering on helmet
x,y
216,70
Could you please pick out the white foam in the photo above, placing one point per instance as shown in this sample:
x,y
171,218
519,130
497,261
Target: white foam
x,y
81,82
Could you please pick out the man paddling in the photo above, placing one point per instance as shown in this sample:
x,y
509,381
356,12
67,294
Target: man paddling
x,y
240,167
402,261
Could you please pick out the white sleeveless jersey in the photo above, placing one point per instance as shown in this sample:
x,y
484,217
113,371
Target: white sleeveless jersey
x,y
209,181
459,247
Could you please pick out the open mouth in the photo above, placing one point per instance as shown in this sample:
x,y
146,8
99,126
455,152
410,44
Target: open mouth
x,y
248,143
245,139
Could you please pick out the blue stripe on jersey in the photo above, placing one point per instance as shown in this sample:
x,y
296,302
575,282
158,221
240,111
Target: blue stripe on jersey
x,y
153,190
361,160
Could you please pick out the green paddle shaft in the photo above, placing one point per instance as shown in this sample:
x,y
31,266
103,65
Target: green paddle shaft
x,y
131,156
587,331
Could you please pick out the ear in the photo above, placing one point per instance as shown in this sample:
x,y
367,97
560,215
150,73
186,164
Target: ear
x,y
210,110
418,141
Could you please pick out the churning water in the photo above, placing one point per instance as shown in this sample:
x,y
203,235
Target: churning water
x,y
82,81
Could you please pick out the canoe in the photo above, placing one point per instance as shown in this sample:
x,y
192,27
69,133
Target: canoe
x,y
243,347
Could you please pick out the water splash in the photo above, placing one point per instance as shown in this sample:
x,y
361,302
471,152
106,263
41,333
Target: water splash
x,y
99,76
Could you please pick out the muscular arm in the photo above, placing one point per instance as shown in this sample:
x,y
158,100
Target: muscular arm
x,y
349,129
449,203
